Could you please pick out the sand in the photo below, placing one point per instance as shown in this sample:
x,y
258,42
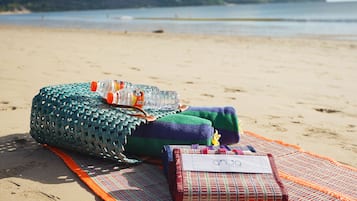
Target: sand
x,y
299,90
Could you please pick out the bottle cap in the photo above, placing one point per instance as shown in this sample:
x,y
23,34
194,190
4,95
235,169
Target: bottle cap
x,y
93,86
110,97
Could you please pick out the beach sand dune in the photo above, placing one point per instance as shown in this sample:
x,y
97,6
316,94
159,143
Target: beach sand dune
x,y
299,90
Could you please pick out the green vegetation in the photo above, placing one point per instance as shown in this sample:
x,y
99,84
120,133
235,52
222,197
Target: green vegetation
x,y
62,5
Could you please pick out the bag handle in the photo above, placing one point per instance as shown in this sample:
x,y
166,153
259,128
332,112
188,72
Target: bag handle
x,y
142,113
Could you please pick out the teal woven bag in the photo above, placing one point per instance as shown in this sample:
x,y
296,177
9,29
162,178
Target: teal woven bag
x,y
70,116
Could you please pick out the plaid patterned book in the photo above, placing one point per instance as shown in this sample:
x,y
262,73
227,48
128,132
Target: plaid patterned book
x,y
167,152
209,184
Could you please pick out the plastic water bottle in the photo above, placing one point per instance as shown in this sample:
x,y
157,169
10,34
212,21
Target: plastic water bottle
x,y
106,86
160,100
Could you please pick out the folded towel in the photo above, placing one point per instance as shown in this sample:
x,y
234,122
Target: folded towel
x,y
224,119
148,139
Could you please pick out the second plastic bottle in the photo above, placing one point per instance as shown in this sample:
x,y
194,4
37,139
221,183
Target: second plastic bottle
x,y
159,100
105,86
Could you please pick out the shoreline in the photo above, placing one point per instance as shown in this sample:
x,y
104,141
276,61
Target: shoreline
x,y
265,26
297,90
15,12
337,38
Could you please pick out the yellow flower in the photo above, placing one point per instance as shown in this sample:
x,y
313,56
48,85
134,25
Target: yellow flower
x,y
215,139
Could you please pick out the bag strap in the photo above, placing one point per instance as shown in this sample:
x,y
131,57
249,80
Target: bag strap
x,y
143,114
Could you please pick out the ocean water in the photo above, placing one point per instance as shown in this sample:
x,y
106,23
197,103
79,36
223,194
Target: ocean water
x,y
337,20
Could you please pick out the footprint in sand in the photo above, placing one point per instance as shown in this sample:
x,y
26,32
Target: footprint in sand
x,y
350,147
231,98
326,110
153,78
279,128
208,95
350,128
273,117
320,132
296,120
7,106
135,68
232,90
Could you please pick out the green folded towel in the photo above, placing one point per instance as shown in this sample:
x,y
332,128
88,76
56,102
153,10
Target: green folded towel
x,y
148,139
224,119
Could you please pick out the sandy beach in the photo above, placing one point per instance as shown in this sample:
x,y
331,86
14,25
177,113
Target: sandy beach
x,y
298,90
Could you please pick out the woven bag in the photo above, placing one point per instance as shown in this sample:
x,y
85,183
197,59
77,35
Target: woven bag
x,y
70,116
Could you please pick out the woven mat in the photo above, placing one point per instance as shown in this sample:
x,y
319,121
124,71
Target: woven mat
x,y
306,176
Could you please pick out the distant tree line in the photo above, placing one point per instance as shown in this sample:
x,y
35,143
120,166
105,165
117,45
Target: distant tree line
x,y
62,5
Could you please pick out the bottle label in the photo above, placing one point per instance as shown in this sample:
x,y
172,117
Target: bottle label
x,y
118,85
138,99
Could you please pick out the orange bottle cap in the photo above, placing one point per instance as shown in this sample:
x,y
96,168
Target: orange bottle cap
x,y
110,97
93,86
